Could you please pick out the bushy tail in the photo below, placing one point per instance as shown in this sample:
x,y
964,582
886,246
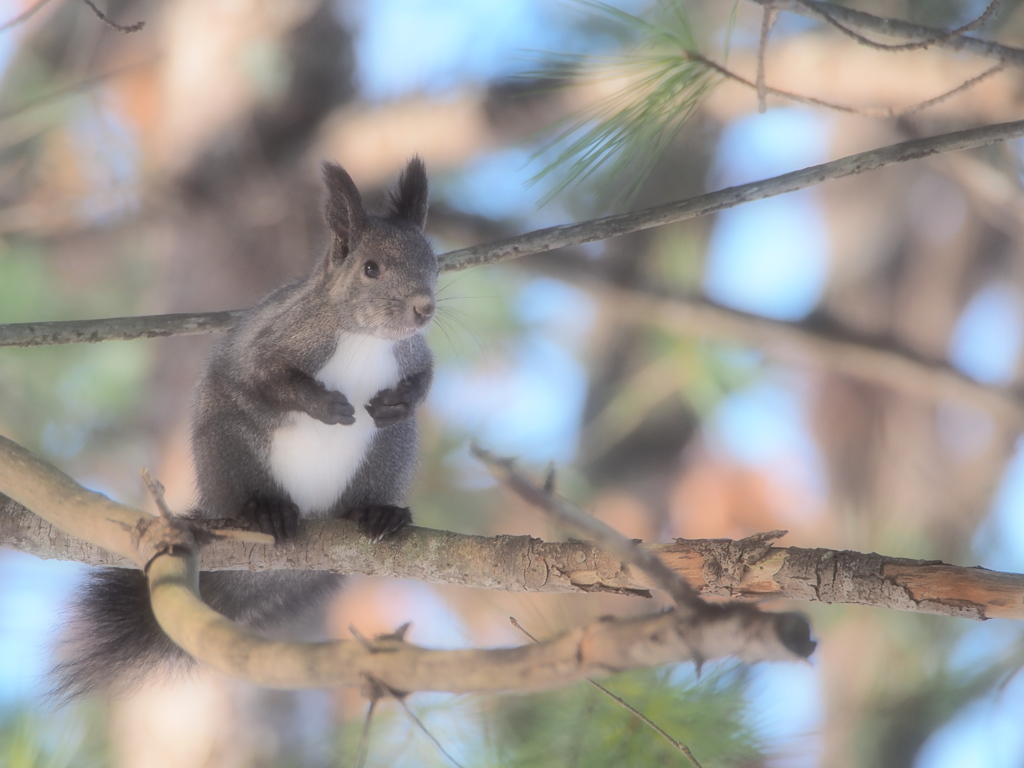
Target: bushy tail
x,y
113,638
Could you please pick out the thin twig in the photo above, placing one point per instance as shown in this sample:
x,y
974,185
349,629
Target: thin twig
x,y
936,39
767,22
400,698
578,522
626,705
137,26
896,28
24,16
364,736
156,490
964,86
881,112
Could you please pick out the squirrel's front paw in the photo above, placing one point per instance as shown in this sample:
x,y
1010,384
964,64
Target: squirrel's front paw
x,y
334,408
268,514
380,521
390,406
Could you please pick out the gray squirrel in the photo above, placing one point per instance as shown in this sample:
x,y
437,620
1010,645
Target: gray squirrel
x,y
306,409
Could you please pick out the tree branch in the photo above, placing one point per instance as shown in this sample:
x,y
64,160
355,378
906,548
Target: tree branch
x,y
597,649
749,569
574,520
879,112
115,328
544,240
168,553
831,13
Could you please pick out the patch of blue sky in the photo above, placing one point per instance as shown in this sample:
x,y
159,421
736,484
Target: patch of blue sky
x,y
769,257
986,342
111,158
407,46
1000,539
497,185
30,603
984,643
985,734
760,146
765,426
785,700
8,41
528,405
555,309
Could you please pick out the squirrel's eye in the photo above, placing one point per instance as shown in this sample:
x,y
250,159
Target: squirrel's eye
x,y
370,269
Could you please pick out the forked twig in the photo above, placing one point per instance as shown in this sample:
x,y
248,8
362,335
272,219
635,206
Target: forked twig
x,y
580,523
623,703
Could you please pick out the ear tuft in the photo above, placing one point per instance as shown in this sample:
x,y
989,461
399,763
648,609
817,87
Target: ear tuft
x,y
409,200
344,211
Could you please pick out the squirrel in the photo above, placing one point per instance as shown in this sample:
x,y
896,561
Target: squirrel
x,y
306,409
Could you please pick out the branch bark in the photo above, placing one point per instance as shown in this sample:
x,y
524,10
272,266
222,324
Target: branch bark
x,y
751,569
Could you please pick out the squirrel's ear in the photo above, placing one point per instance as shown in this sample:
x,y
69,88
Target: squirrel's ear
x,y
409,200
345,214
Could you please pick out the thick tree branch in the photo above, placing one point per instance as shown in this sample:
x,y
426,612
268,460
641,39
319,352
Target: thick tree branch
x,y
831,13
750,569
597,649
168,552
544,240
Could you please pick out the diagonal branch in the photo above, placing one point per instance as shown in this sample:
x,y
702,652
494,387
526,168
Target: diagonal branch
x,y
578,522
551,238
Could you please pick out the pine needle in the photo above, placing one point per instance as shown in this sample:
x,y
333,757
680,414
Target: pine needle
x,y
624,134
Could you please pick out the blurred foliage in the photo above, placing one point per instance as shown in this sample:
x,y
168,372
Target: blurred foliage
x,y
67,396
581,726
81,398
655,90
31,739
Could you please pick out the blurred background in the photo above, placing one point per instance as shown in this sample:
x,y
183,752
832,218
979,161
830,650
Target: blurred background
x,y
176,169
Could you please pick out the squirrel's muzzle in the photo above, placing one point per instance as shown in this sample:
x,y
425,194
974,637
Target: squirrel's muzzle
x,y
423,310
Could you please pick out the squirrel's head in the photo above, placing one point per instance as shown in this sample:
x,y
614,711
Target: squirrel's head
x,y
380,269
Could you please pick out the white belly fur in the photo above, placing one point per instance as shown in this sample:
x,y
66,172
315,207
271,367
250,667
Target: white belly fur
x,y
313,461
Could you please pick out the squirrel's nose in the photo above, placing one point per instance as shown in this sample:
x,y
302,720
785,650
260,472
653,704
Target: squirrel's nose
x,y
423,309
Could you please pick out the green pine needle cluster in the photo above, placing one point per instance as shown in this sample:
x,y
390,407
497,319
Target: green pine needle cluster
x,y
623,134
581,726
